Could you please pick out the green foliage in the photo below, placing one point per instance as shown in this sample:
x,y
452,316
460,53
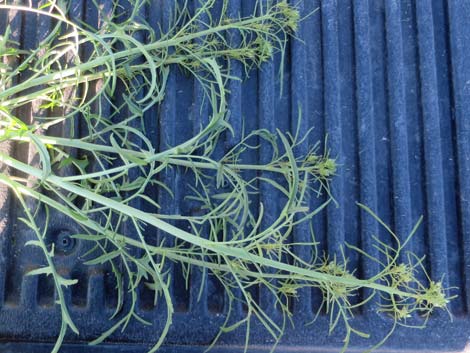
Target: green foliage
x,y
227,239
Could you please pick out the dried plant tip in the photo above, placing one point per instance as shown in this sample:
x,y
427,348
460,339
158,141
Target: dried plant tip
x,y
263,49
433,297
291,15
327,168
401,274
337,289
402,312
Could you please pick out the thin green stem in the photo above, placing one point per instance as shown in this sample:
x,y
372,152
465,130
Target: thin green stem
x,y
216,247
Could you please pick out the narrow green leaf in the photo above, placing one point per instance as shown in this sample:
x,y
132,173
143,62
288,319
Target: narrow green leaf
x,y
67,282
77,216
93,237
43,155
33,243
40,271
104,258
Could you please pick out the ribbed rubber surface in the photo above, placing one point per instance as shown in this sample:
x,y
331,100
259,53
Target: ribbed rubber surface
x,y
389,82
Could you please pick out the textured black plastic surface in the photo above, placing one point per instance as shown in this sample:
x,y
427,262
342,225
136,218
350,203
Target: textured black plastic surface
x,y
389,82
